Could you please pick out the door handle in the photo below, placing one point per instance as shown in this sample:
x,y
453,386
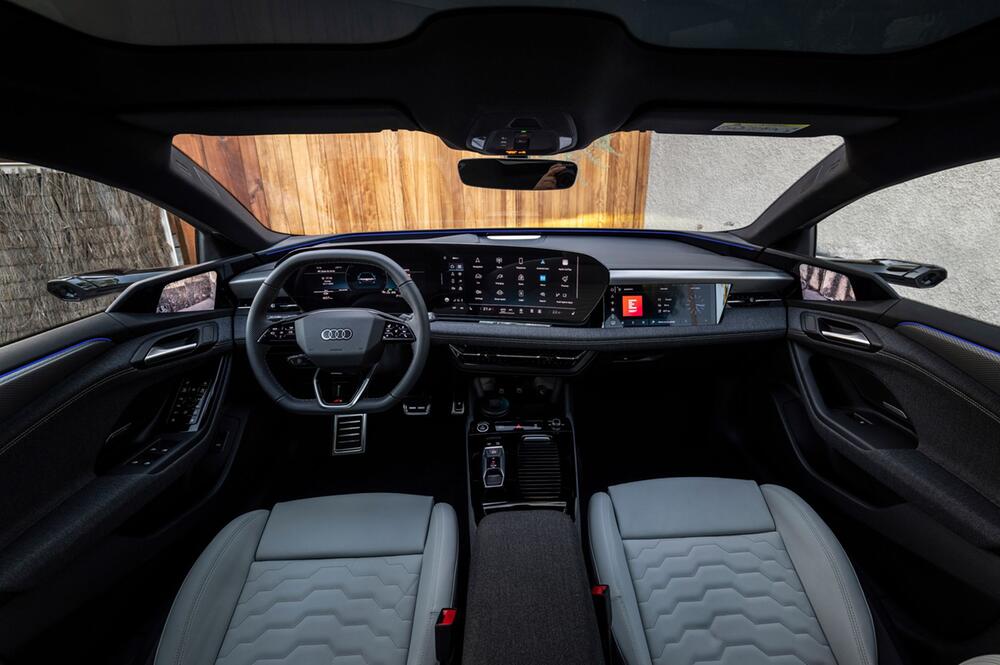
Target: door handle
x,y
855,337
157,352
842,333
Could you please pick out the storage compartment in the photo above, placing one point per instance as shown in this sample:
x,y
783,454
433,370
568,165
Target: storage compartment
x,y
862,404
529,597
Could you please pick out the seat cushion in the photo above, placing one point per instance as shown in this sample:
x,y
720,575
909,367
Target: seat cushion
x,y
723,571
353,578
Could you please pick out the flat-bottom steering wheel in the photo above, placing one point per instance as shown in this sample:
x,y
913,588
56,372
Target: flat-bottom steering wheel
x,y
338,339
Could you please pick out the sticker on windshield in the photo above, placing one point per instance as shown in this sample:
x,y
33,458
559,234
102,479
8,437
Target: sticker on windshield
x,y
759,127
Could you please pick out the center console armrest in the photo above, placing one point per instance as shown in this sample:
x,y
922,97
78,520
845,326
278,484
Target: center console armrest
x,y
529,597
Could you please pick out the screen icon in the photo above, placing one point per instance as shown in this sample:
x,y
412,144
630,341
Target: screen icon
x,y
631,305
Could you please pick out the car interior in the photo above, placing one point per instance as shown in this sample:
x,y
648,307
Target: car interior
x,y
476,441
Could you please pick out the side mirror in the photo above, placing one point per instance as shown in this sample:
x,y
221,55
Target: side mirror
x,y
904,273
74,288
519,174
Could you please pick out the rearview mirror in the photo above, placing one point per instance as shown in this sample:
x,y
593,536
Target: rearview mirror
x,y
521,174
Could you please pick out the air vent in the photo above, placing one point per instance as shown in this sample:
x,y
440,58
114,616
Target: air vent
x,y
474,355
754,300
349,434
539,472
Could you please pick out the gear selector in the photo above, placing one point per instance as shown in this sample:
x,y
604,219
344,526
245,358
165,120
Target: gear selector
x,y
494,466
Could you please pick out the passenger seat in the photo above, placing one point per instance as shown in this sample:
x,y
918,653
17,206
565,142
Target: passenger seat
x,y
726,571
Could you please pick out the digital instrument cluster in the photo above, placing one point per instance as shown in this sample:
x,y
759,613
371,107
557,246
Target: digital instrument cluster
x,y
326,282
664,305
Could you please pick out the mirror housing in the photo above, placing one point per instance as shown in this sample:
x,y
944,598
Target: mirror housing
x,y
74,288
517,174
904,273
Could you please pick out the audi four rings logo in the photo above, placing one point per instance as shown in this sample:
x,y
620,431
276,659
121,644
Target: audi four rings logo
x,y
330,334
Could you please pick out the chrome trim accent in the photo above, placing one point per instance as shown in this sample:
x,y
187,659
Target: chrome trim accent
x,y
856,338
347,405
157,352
514,237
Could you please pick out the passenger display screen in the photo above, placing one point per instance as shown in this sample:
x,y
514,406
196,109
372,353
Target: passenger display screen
x,y
664,305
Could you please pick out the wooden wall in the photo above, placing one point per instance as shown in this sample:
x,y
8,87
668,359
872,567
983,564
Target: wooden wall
x,y
341,183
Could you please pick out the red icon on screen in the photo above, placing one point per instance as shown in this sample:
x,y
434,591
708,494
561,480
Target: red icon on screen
x,y
631,305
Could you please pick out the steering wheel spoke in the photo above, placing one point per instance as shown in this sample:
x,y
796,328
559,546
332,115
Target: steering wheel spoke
x,y
279,333
397,332
340,404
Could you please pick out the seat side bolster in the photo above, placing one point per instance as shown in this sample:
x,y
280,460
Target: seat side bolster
x,y
827,576
436,589
200,615
608,553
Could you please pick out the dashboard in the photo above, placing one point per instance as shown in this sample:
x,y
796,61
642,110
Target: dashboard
x,y
558,291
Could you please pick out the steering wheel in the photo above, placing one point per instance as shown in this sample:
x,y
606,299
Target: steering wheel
x,y
338,339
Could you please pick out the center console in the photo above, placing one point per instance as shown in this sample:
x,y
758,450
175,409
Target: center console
x,y
520,446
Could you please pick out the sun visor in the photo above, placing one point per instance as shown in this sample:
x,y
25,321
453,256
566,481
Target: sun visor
x,y
755,123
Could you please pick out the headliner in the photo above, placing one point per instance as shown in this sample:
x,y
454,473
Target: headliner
x,y
108,110
849,26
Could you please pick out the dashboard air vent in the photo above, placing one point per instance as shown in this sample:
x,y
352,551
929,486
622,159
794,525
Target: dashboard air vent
x,y
557,360
349,434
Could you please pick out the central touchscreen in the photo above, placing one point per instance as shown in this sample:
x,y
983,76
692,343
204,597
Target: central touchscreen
x,y
511,283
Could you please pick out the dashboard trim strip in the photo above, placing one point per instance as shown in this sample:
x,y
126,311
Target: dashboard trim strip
x,y
771,277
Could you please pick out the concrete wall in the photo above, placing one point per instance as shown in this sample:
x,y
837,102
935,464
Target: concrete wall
x,y
714,183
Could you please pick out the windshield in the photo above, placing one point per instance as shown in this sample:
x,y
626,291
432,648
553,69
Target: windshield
x,y
327,184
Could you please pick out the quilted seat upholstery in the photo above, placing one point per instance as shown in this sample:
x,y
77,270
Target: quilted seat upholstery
x,y
349,579
706,570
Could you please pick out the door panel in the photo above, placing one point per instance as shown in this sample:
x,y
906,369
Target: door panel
x,y
99,437
907,416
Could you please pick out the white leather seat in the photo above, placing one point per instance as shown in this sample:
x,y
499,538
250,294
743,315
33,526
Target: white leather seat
x,y
358,577
725,571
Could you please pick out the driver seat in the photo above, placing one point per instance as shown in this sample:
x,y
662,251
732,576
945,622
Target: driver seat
x,y
351,578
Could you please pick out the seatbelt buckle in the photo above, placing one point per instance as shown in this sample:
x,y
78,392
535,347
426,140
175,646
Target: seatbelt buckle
x,y
601,595
444,635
